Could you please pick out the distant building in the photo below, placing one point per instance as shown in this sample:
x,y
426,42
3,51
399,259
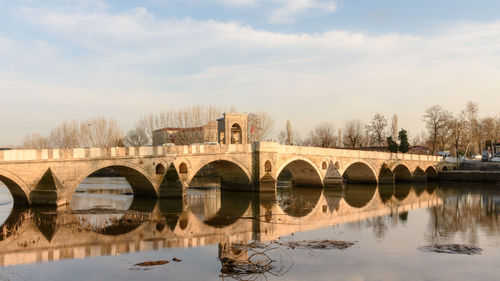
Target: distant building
x,y
375,148
232,128
182,136
419,149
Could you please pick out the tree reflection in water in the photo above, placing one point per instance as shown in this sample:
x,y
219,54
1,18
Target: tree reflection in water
x,y
466,211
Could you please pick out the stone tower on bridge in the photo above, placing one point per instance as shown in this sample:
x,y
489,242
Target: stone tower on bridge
x,y
233,128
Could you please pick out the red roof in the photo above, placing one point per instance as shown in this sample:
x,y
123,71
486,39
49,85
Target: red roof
x,y
166,129
419,147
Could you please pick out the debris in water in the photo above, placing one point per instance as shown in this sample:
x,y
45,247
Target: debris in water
x,y
317,244
176,259
452,249
151,263
253,261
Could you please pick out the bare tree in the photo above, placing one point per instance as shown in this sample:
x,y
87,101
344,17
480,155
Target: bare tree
x,y
339,138
289,133
471,115
394,127
66,135
377,129
353,133
35,141
444,133
420,139
497,127
282,137
96,132
436,118
260,125
136,137
457,126
322,135
288,136
487,130
100,132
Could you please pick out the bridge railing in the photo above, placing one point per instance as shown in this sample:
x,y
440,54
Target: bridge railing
x,y
145,151
158,151
306,150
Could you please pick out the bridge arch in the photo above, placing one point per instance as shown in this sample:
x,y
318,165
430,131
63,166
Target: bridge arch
x,y
142,183
232,173
419,175
432,173
359,172
304,172
18,188
402,173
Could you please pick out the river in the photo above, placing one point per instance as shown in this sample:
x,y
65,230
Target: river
x,y
354,232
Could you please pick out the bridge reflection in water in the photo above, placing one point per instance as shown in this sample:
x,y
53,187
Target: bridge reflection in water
x,y
203,217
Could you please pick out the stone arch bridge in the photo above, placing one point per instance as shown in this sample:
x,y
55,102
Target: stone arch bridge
x,y
51,176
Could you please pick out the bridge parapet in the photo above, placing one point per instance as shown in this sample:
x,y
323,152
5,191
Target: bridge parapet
x,y
119,152
288,149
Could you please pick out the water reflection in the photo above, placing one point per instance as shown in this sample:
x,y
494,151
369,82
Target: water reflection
x,y
465,213
218,208
358,195
103,221
98,198
298,202
333,195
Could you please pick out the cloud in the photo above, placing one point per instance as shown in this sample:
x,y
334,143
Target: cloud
x,y
238,2
285,11
5,43
124,64
291,9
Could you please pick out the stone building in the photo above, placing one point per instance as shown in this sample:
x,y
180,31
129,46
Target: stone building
x,y
234,126
182,136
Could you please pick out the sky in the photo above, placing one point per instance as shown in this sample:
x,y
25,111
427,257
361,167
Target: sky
x,y
309,61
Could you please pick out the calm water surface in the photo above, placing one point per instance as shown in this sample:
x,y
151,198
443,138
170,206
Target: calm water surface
x,y
105,232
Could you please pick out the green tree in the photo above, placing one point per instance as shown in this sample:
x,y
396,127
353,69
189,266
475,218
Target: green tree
x,y
404,145
393,146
